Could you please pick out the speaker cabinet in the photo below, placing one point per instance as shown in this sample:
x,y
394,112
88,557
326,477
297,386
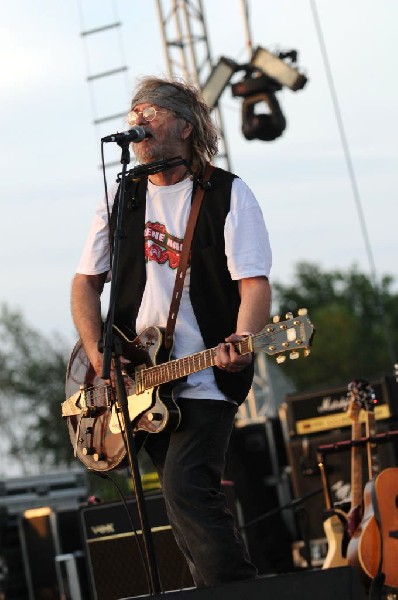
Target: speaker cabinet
x,y
306,477
256,462
45,537
39,548
113,553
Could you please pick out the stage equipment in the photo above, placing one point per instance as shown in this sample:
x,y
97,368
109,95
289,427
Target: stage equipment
x,y
257,89
317,419
116,567
264,75
218,80
48,540
256,463
61,493
275,66
329,584
325,410
264,126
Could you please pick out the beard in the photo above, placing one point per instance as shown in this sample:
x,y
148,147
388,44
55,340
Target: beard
x,y
152,149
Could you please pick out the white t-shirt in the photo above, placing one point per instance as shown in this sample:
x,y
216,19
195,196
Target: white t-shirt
x,y
167,209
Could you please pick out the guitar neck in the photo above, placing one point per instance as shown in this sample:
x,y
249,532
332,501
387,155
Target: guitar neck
x,y
371,446
147,378
356,465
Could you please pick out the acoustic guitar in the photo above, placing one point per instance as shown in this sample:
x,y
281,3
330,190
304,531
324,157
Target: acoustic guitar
x,y
373,548
93,413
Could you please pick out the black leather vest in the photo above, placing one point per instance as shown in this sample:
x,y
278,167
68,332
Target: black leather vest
x,y
214,295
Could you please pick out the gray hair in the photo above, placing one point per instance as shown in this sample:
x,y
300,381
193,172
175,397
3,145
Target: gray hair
x,y
185,102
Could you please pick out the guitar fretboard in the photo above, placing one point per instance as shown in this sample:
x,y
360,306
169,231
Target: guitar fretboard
x,y
371,446
182,367
356,465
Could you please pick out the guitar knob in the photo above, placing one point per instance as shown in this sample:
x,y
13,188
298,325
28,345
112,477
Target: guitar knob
x,y
154,416
88,451
97,457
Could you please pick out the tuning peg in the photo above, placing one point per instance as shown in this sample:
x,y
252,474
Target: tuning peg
x,y
289,315
280,359
276,319
294,355
302,311
307,351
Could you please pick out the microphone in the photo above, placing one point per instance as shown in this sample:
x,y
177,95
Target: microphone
x,y
135,134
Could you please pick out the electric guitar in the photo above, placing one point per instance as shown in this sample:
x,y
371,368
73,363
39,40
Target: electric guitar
x,y
358,390
374,545
338,525
93,413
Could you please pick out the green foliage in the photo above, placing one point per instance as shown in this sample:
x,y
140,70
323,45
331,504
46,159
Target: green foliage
x,y
356,326
32,377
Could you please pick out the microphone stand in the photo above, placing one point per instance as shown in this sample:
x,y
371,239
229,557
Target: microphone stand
x,y
112,349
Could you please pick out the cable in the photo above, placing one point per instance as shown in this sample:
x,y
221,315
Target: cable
x,y
131,520
354,185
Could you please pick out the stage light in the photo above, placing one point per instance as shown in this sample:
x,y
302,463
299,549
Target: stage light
x,y
218,80
254,85
262,126
264,76
278,69
258,89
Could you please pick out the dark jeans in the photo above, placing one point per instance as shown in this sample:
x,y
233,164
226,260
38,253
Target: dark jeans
x,y
190,463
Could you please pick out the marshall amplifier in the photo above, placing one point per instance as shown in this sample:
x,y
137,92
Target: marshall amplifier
x,y
325,410
114,560
310,421
306,476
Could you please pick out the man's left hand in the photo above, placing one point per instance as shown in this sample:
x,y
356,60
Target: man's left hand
x,y
228,358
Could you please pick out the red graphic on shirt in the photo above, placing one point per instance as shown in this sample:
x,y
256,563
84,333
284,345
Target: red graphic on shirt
x,y
161,246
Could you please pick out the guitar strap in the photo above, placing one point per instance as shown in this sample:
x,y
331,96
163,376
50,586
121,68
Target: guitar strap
x,y
185,252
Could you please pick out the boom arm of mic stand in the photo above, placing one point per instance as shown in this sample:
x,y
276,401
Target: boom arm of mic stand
x,y
153,167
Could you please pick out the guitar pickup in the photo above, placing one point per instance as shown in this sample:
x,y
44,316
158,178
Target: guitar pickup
x,y
139,379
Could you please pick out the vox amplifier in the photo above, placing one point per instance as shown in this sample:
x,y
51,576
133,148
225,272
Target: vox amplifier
x,y
114,548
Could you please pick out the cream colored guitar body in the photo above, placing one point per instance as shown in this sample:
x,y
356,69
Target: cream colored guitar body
x,y
335,532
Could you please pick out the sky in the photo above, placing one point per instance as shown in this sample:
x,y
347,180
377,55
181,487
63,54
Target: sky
x,y
50,149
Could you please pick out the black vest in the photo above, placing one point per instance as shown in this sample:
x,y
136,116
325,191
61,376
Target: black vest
x,y
214,295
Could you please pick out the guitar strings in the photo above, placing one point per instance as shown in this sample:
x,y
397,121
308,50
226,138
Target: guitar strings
x,y
177,368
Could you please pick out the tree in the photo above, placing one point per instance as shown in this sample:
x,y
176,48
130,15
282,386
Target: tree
x,y
32,389
356,325
32,378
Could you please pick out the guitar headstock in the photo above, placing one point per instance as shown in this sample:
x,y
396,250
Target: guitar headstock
x,y
289,336
363,394
360,395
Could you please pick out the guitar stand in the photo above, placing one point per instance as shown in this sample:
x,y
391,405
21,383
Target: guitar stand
x,y
111,347
323,450
293,505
